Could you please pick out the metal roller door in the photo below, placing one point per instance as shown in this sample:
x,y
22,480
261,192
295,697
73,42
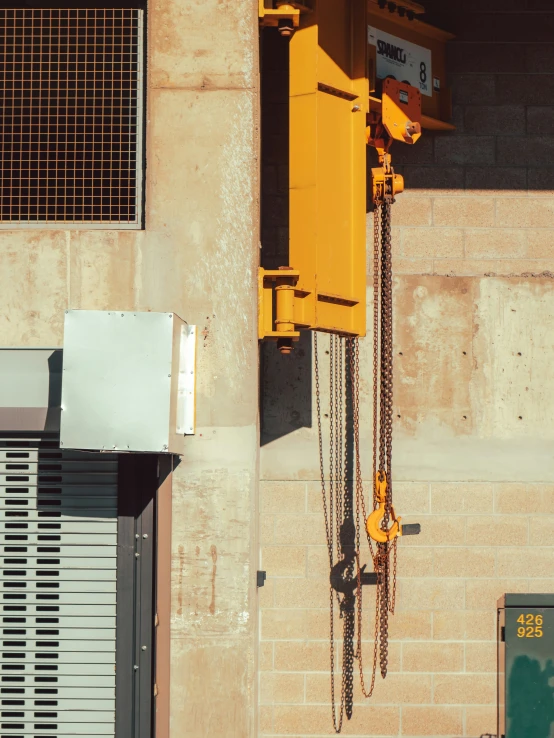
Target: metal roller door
x,y
58,539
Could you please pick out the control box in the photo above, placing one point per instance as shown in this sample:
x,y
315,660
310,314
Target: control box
x,y
128,381
526,666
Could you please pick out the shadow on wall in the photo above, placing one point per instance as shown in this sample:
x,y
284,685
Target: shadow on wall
x,y
285,389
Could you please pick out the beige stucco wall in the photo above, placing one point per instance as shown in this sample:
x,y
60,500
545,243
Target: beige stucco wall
x,y
197,257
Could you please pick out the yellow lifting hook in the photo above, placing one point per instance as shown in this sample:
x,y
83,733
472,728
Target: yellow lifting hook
x,y
373,524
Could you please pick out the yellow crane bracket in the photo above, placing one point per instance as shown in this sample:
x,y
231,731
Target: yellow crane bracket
x,y
285,16
276,306
375,519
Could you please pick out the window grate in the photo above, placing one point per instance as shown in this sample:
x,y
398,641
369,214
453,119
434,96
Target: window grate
x,y
71,116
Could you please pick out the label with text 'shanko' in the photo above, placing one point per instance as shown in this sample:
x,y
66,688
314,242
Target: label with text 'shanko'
x,y
401,59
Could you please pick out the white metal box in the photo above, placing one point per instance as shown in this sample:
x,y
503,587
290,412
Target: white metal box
x,y
127,381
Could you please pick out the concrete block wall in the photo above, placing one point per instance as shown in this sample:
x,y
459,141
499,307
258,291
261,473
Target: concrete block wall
x,y
474,296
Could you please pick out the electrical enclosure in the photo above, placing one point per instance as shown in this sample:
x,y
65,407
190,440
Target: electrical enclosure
x,y
525,666
127,381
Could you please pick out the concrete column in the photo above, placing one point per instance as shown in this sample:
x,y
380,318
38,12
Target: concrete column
x,y
198,257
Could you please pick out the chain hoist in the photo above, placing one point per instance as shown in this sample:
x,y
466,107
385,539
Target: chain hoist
x,y
342,490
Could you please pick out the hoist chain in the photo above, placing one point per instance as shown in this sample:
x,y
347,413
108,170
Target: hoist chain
x,y
344,386
329,511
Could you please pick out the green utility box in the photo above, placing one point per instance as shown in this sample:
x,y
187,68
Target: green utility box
x,y
526,666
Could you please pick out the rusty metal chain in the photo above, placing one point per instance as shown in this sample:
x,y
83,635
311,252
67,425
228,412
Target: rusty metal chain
x,y
333,505
376,300
329,516
328,531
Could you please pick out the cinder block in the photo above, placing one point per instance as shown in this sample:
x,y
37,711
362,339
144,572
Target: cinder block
x,y
411,497
494,120
412,211
277,497
539,498
473,89
301,592
509,27
396,689
317,622
415,562
284,561
541,530
280,624
532,151
266,719
434,179
413,266
523,88
540,119
483,594
419,154
265,656
464,562
480,720
308,720
526,562
267,529
494,243
501,180
458,497
464,689
539,58
432,242
317,562
461,211
464,625
541,181
463,149
421,721
481,656
277,688
486,57
438,530
502,531
545,586
493,267
303,656
437,594
289,529
409,625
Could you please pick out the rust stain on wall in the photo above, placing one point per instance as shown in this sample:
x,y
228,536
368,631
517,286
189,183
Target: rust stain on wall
x,y
213,551
180,580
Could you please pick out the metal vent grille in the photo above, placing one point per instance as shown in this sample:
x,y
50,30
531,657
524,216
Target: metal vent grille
x,y
71,114
58,548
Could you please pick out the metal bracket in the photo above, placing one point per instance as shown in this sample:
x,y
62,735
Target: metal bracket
x,y
285,17
411,529
260,578
276,288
